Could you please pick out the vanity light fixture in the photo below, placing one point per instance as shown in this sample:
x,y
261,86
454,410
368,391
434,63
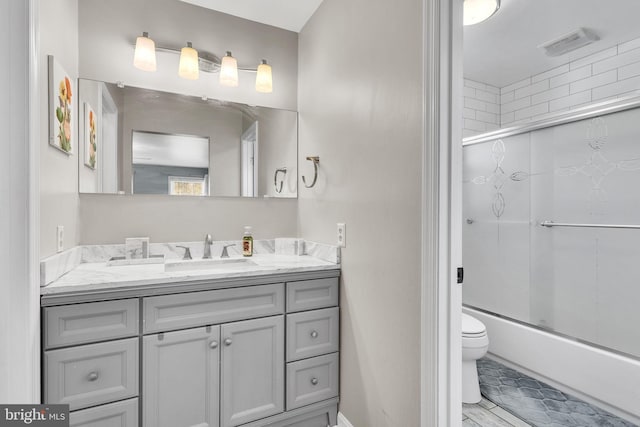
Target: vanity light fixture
x,y
229,71
476,11
192,62
188,68
145,54
264,81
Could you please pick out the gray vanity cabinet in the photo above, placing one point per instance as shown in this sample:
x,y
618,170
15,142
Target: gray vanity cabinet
x,y
252,370
180,378
251,353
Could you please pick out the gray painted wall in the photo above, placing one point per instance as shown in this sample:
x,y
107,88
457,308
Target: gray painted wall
x,y
105,55
109,28
58,171
110,219
360,109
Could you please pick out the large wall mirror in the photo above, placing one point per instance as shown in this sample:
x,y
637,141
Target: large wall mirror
x,y
141,141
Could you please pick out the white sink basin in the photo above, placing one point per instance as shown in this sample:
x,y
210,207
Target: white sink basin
x,y
207,264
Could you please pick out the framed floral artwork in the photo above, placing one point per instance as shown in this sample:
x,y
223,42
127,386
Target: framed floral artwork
x,y
90,137
61,111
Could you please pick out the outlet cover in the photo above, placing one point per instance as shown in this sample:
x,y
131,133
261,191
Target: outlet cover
x,y
342,234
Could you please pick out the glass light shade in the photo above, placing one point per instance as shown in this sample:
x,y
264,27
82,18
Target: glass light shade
x,y
476,11
229,71
144,57
188,68
264,82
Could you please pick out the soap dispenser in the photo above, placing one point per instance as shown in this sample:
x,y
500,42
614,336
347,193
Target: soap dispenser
x,y
247,242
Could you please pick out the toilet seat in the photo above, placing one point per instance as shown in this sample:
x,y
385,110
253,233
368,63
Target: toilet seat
x,y
472,328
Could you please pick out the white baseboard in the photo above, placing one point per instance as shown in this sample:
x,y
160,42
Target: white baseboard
x,y
343,421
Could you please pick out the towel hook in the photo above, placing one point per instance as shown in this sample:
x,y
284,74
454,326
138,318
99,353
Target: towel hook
x,y
275,179
315,160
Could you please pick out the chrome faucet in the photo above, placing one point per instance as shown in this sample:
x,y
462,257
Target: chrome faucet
x,y
207,246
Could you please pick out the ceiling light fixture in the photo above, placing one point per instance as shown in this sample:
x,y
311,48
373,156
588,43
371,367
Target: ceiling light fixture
x,y
476,11
193,61
144,57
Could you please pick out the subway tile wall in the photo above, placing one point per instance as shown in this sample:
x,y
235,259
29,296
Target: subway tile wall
x,y
609,74
481,112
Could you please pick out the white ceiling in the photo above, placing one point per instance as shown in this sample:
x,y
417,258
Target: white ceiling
x,y
503,49
291,15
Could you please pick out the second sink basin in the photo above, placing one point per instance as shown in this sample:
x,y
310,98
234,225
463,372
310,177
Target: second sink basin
x,y
207,264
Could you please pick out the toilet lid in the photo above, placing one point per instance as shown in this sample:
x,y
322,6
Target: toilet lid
x,y
472,326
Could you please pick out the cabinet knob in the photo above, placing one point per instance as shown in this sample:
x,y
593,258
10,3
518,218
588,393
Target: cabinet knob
x,y
227,341
92,376
213,344
314,334
314,381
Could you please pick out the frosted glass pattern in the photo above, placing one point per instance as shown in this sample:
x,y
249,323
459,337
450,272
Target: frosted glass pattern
x,y
581,282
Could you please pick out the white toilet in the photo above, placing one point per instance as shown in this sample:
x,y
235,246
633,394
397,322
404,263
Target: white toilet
x,y
475,343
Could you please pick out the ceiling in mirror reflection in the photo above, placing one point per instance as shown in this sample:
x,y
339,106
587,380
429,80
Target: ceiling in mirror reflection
x,y
504,48
170,150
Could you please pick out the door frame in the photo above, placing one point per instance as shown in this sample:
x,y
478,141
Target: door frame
x,y
441,304
20,247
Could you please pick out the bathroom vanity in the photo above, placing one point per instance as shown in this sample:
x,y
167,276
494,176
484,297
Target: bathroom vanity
x,y
253,349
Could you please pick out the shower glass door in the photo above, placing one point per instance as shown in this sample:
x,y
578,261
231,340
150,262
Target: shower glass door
x,y
579,276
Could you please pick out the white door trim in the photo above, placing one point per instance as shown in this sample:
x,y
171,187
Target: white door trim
x,y
19,216
441,202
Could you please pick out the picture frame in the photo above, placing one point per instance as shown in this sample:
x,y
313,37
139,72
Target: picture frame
x,y
61,107
90,137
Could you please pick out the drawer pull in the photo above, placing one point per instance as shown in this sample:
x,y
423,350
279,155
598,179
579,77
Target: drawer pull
x,y
314,381
227,342
92,376
213,344
314,334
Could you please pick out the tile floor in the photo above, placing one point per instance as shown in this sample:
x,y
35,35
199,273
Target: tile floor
x,y
512,399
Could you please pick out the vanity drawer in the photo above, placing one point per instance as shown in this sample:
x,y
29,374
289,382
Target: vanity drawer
x,y
83,323
310,294
312,380
92,374
312,333
119,414
169,312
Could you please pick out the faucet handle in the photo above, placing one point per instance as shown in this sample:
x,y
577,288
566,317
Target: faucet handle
x,y
224,253
187,251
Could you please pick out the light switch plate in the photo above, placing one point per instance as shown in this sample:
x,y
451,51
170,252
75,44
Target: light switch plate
x,y
342,234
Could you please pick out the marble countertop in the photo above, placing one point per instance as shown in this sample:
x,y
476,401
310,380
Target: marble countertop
x,y
96,276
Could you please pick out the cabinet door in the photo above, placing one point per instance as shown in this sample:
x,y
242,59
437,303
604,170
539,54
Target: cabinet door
x,y
252,370
181,378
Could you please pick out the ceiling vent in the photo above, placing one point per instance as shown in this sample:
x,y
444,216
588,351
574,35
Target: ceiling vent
x,y
569,42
